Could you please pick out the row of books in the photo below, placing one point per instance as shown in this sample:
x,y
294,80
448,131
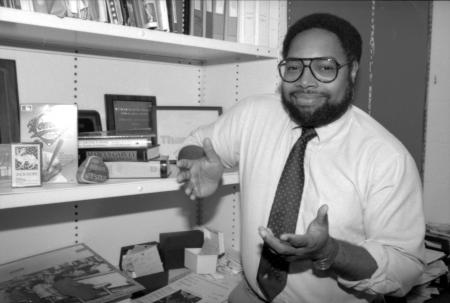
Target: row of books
x,y
244,21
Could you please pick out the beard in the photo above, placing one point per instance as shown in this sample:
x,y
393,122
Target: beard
x,y
325,114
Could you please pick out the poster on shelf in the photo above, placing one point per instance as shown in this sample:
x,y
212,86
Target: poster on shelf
x,y
175,123
55,126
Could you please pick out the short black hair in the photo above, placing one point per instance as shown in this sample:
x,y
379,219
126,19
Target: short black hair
x,y
347,34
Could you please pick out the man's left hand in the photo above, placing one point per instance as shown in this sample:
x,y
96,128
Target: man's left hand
x,y
314,244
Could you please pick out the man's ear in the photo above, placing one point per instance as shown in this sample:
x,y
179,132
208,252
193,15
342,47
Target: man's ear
x,y
354,70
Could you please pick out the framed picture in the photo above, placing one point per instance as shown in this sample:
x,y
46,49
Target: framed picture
x,y
9,102
175,123
89,121
124,112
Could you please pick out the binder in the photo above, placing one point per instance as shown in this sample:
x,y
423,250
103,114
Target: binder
x,y
262,23
274,16
197,18
218,19
209,19
247,22
231,20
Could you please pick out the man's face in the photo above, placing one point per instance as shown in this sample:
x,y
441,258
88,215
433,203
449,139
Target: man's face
x,y
309,102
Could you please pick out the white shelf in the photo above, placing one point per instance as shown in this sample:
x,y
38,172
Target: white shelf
x,y
61,193
31,29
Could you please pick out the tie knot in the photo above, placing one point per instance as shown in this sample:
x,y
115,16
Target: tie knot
x,y
308,134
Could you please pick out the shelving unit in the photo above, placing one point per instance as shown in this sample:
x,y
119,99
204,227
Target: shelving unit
x,y
70,60
22,28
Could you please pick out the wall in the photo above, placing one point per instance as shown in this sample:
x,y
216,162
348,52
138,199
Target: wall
x,y
437,153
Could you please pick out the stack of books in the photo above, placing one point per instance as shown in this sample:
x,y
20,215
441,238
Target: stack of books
x,y
127,154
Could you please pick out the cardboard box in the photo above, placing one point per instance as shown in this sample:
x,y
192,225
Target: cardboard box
x,y
198,263
172,245
55,126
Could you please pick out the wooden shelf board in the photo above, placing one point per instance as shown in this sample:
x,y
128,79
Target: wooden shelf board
x,y
61,193
33,29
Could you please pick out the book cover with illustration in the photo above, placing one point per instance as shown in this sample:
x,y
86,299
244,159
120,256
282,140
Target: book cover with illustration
x,y
5,163
55,126
73,274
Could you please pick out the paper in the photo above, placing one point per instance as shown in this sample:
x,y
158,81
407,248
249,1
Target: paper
x,y
432,255
142,260
214,243
192,288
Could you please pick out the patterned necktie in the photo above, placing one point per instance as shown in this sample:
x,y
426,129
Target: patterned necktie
x,y
272,270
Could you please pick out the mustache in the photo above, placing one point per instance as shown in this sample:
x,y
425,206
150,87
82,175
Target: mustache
x,y
308,92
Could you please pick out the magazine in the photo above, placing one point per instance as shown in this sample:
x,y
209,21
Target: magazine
x,y
73,274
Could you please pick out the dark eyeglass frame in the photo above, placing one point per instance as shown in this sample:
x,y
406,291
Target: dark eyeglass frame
x,y
302,60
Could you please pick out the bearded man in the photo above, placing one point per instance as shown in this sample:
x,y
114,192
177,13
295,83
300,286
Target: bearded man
x,y
331,202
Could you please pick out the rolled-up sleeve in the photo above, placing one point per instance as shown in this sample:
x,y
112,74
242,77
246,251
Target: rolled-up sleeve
x,y
394,225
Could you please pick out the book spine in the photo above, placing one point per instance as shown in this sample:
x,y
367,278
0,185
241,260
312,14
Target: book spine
x,y
115,155
111,155
121,170
114,143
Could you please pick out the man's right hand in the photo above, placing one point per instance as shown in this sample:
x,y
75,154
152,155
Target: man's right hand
x,y
202,176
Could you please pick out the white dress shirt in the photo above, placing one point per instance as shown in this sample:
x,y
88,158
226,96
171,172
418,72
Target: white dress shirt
x,y
362,172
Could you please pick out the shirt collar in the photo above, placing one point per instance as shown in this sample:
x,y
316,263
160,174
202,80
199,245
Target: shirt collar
x,y
329,131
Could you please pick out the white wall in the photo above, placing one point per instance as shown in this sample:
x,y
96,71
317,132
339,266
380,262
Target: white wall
x,y
437,147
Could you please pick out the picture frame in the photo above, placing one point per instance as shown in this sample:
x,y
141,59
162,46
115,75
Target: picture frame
x,y
129,112
175,123
89,121
9,102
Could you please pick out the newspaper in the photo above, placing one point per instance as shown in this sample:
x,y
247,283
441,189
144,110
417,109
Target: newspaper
x,y
192,288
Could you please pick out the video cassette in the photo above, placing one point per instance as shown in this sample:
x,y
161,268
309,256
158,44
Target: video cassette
x,y
26,164
56,127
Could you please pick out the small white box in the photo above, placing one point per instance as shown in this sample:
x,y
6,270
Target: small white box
x,y
200,264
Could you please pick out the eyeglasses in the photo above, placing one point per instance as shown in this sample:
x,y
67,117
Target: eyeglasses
x,y
324,69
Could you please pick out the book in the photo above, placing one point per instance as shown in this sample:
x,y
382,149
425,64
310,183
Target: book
x,y
186,16
70,274
97,10
218,19
26,164
115,143
247,22
209,18
148,13
40,6
274,23
262,30
163,16
117,139
196,17
27,5
55,126
5,163
126,169
131,13
114,11
118,134
77,9
128,154
175,10
231,20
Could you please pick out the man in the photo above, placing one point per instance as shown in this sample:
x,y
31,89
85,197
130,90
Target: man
x,y
360,227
